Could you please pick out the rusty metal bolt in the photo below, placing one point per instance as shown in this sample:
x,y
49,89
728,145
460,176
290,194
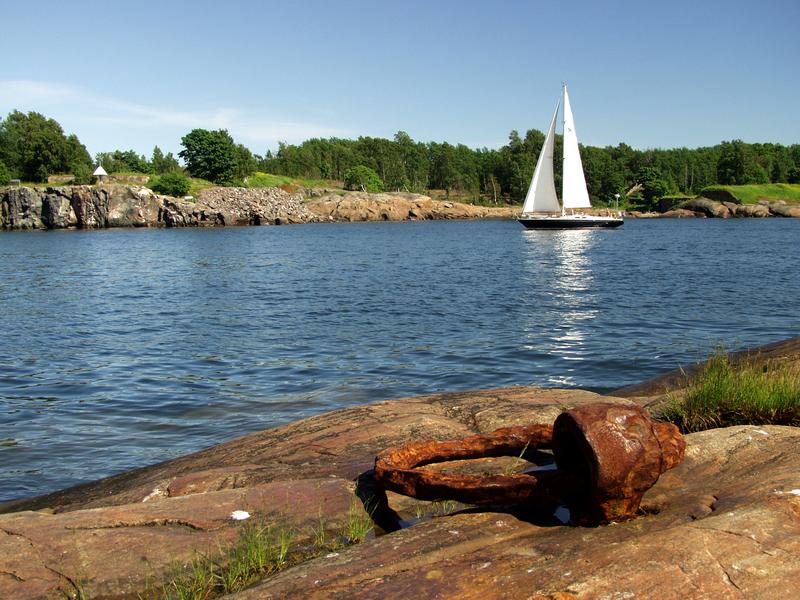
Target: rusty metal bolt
x,y
607,456
617,453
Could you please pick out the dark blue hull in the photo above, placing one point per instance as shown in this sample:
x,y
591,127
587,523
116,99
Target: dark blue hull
x,y
569,222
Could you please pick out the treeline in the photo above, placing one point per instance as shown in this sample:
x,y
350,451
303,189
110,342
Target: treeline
x,y
33,147
504,175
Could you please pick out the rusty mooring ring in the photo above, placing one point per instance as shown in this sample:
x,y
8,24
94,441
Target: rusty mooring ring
x,y
607,456
395,468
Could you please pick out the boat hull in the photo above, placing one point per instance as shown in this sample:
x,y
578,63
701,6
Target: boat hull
x,y
569,222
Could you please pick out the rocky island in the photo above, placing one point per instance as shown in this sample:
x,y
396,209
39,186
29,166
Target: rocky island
x,y
724,523
114,205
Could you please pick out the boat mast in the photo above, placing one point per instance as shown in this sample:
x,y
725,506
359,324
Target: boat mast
x,y
563,147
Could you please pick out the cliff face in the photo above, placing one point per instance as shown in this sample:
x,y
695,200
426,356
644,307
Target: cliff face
x,y
94,207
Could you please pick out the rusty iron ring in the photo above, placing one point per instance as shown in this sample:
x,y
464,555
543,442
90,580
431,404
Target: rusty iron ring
x,y
395,469
607,456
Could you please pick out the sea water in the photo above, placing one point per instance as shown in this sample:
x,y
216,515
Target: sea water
x,y
121,348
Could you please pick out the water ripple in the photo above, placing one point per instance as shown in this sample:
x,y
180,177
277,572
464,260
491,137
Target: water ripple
x,y
121,348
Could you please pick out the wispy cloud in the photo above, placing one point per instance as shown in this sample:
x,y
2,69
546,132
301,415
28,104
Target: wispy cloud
x,y
96,109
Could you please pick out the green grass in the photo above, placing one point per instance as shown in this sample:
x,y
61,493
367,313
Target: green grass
x,y
722,394
751,194
440,508
259,180
197,185
358,524
261,550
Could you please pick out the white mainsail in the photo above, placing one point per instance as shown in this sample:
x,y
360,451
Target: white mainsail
x,y
542,191
573,190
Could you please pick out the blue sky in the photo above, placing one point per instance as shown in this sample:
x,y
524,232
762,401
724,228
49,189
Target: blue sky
x,y
652,74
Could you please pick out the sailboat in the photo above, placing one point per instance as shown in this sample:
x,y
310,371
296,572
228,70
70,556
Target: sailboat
x,y
542,209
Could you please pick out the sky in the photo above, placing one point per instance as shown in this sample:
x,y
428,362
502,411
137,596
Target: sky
x,y
133,75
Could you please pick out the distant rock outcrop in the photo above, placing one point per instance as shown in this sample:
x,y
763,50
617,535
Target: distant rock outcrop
x,y
400,206
724,209
708,207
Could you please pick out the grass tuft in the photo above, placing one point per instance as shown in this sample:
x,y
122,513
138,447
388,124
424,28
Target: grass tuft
x,y
359,523
260,551
722,394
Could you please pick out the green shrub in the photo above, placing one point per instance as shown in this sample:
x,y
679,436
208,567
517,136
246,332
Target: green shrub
x,y
82,175
363,179
722,394
5,176
171,184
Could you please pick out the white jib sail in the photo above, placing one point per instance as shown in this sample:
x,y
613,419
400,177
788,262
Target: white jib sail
x,y
542,192
574,193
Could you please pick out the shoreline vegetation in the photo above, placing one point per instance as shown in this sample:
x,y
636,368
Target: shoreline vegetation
x,y
723,394
288,511
34,148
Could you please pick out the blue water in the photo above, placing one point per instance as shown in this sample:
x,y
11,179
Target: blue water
x,y
122,348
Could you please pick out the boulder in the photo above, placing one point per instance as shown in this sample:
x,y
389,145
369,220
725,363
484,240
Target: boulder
x,y
721,195
680,213
710,208
752,210
784,210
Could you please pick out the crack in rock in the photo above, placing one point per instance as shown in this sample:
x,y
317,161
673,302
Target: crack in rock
x,y
13,575
152,523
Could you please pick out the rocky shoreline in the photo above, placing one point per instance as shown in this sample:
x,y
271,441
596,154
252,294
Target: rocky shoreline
x,y
98,207
725,209
724,523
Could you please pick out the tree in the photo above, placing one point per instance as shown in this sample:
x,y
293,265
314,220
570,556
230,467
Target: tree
x,y
362,178
210,155
77,157
653,186
5,176
245,163
34,147
124,161
161,164
732,163
171,183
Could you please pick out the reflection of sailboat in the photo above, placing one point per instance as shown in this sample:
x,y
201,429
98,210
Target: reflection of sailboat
x,y
541,209
560,322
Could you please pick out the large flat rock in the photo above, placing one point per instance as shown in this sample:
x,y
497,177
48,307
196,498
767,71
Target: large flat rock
x,y
724,524
119,536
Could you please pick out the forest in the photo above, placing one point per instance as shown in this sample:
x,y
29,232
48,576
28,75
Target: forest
x,y
33,147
